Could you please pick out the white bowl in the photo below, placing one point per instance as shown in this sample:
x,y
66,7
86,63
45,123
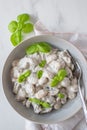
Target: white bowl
x,y
68,109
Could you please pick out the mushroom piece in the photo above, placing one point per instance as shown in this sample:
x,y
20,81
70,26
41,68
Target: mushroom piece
x,y
42,80
65,82
74,81
48,73
42,55
50,99
30,89
71,95
51,57
69,72
23,63
27,103
16,88
32,62
53,91
15,63
35,56
57,64
73,88
21,95
15,73
32,79
64,100
57,105
24,102
37,108
66,57
40,94
46,110
63,90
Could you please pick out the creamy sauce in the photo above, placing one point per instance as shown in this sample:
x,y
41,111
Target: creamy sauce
x,y
33,87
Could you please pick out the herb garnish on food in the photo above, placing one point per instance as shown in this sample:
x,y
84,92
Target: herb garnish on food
x,y
40,102
24,76
58,77
43,47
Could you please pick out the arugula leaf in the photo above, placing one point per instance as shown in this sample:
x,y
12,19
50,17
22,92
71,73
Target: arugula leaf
x,y
23,17
12,26
27,28
61,95
23,76
39,74
42,63
39,102
16,38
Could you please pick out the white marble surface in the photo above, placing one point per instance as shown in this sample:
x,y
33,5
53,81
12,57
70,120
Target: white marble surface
x,y
9,119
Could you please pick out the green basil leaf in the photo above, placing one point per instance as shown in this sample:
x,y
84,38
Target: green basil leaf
x,y
44,47
45,104
20,26
42,63
12,27
39,74
62,74
23,17
54,81
61,95
39,102
27,73
27,28
23,76
16,38
38,47
35,100
21,79
32,49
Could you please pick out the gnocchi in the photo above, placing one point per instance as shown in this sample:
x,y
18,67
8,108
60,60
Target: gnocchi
x,y
45,87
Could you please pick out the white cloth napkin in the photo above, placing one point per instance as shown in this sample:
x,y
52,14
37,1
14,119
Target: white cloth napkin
x,y
76,122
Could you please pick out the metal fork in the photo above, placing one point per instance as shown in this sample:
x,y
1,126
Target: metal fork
x,y
78,74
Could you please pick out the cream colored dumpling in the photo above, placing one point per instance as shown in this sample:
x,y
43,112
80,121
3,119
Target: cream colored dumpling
x,y
34,89
56,65
32,79
65,82
50,58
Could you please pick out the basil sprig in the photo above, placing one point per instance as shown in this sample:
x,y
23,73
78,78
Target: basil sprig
x,y
62,73
24,76
39,102
43,47
17,28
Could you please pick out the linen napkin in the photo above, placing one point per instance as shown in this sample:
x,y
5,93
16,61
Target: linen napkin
x,y
77,122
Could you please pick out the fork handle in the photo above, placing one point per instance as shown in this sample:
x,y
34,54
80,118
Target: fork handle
x,y
83,104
